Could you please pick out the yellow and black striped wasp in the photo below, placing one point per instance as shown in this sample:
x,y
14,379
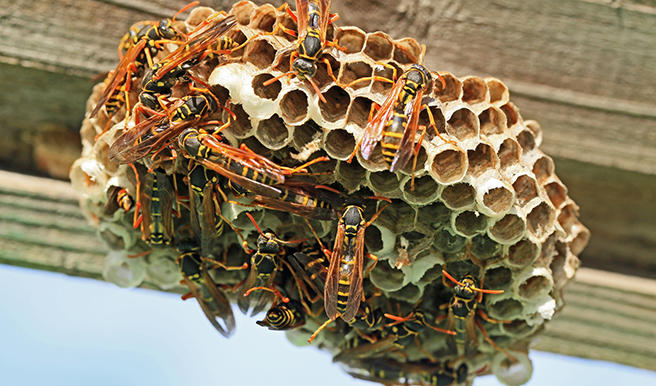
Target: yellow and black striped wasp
x,y
154,208
439,374
137,48
264,267
204,207
251,171
162,76
211,299
312,18
395,335
118,198
396,122
463,311
343,289
156,132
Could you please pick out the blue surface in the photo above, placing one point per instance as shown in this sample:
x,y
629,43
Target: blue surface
x,y
59,330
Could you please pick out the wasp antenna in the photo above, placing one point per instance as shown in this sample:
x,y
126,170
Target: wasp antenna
x,y
270,81
487,291
256,226
315,233
195,3
445,273
316,89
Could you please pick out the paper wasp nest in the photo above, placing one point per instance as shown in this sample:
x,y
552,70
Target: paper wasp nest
x,y
489,203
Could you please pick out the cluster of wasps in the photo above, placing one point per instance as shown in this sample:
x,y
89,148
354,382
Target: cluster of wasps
x,y
171,142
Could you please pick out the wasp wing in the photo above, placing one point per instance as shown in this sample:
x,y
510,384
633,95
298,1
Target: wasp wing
x,y
324,8
302,9
355,290
373,133
332,280
407,144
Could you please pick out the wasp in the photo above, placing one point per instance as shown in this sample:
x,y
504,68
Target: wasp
x,y
212,301
380,370
251,171
343,289
313,18
137,48
155,202
264,266
398,334
155,132
301,198
463,310
442,374
287,314
118,198
205,215
396,122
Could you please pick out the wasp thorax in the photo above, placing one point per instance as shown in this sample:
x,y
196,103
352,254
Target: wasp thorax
x,y
304,68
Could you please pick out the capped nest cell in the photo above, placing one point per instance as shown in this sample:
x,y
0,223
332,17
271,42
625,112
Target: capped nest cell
x,y
484,204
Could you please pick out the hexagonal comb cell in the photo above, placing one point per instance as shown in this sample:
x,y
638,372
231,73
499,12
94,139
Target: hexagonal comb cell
x,y
508,153
512,115
534,283
481,159
510,227
383,181
399,217
497,198
260,53
448,166
337,103
458,196
351,39
438,119
526,188
407,51
470,223
452,90
463,125
358,112
382,86
243,11
474,90
272,133
294,106
349,174
425,190
498,278
543,168
339,144
355,70
379,46
448,242
522,253
306,133
526,140
264,18
540,219
271,91
240,127
557,193
499,94
492,121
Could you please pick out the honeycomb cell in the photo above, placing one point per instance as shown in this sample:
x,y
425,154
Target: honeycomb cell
x,y
243,11
407,51
424,192
264,18
512,373
271,91
526,189
548,248
255,145
351,39
383,181
358,112
286,21
434,215
339,144
102,155
445,240
294,106
260,53
483,248
379,46
540,219
322,78
509,153
355,70
452,90
580,240
306,133
498,278
499,94
463,125
88,177
373,239
534,283
240,127
272,133
517,329
387,278
482,159
122,270
349,175
162,269
557,193
470,223
474,90
543,168
492,121
536,130
509,228
459,196
523,253
409,293
494,197
504,308
337,103
399,217
512,114
196,16
526,140
568,217
448,166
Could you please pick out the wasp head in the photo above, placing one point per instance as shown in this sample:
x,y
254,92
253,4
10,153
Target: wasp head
x,y
268,242
304,68
467,289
